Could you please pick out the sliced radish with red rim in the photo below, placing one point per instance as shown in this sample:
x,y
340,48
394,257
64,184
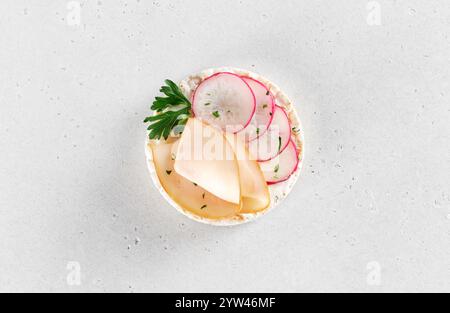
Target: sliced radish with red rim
x,y
265,106
226,101
275,139
282,167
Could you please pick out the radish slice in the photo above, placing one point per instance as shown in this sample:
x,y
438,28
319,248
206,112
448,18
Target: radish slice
x,y
282,167
265,105
224,100
275,139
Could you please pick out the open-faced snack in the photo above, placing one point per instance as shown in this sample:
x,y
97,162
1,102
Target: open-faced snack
x,y
224,146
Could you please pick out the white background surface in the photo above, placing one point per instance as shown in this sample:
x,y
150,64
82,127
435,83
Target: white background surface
x,y
374,100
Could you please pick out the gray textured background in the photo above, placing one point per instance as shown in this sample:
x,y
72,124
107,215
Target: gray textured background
x,y
371,211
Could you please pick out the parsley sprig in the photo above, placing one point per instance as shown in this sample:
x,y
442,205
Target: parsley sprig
x,y
172,110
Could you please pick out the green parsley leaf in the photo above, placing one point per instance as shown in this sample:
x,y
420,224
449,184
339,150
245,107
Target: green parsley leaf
x,y
172,110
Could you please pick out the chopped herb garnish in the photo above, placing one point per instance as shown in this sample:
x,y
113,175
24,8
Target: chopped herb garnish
x,y
267,93
203,207
204,195
216,114
173,156
295,130
265,106
169,172
206,104
277,168
257,131
279,144
195,184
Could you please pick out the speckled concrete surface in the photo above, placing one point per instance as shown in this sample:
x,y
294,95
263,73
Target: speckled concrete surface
x,y
371,81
